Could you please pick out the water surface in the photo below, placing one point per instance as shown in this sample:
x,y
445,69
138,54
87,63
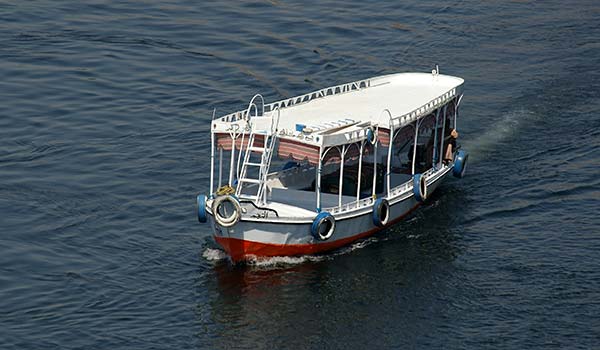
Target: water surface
x,y
103,148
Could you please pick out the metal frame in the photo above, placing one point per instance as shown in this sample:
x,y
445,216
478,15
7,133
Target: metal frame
x,y
212,157
443,137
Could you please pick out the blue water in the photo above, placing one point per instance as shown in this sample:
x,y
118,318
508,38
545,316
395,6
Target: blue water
x,y
103,147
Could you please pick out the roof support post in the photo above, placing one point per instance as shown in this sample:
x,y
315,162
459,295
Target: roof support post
x,y
456,110
414,157
435,139
212,163
318,182
232,162
388,172
389,161
443,137
212,155
341,184
360,157
220,166
375,162
237,170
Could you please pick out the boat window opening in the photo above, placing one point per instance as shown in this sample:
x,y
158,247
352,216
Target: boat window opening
x,y
400,167
330,182
223,166
371,182
450,125
434,143
422,151
333,191
356,169
353,155
226,165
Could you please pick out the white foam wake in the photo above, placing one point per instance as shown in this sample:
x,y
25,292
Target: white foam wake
x,y
500,131
283,261
212,254
286,261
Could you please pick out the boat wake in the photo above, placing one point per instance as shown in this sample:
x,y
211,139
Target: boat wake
x,y
212,254
283,261
499,132
215,255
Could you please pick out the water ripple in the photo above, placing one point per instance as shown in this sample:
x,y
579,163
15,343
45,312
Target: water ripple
x,y
106,109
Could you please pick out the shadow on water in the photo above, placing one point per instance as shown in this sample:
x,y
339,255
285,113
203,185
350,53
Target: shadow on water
x,y
402,278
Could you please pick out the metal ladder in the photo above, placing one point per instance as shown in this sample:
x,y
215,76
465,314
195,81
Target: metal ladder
x,y
257,127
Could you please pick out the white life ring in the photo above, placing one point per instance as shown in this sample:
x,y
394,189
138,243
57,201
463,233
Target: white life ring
x,y
226,210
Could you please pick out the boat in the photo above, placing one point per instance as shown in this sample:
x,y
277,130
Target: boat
x,y
316,172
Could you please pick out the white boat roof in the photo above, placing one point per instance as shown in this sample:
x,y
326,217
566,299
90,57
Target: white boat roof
x,y
340,114
399,93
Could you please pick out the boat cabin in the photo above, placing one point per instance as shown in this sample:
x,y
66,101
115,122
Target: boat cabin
x,y
335,149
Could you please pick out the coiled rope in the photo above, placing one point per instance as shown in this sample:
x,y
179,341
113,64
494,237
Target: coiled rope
x,y
225,190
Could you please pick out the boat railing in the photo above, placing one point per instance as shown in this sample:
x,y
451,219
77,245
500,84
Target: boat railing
x,y
329,91
333,90
424,109
350,206
397,191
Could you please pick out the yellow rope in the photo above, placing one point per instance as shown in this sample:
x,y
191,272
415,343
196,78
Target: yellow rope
x,y
225,190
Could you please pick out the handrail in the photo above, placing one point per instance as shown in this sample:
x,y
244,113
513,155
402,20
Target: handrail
x,y
424,110
328,91
333,90
363,203
262,191
250,105
247,114
403,188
